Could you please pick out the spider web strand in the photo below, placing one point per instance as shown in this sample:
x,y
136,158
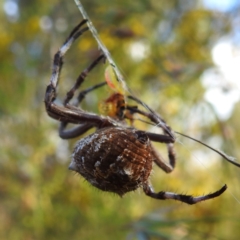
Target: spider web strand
x,y
224,155
101,45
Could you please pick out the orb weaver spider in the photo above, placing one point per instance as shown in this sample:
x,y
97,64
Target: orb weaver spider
x,y
117,157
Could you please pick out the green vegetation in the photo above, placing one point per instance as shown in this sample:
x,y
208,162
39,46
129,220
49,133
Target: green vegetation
x,y
39,197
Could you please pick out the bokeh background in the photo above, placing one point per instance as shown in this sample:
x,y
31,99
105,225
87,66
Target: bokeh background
x,y
181,57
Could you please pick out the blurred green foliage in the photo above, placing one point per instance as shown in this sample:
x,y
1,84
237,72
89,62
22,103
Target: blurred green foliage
x,y
40,198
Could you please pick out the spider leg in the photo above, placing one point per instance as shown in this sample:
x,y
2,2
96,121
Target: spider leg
x,y
71,114
160,161
83,93
79,130
58,57
73,132
58,62
80,80
68,113
163,138
152,116
181,197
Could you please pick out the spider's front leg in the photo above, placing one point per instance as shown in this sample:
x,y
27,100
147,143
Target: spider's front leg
x,y
68,113
50,94
82,128
181,197
58,62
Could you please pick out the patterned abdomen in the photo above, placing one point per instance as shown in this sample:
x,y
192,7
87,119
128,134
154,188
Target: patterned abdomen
x,y
114,159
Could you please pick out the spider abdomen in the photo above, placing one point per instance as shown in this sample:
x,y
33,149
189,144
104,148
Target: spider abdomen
x,y
114,159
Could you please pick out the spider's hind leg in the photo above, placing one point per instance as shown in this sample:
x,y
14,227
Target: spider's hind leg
x,y
180,197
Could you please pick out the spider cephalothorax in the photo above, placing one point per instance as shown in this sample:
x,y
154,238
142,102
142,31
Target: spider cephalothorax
x,y
114,106
117,157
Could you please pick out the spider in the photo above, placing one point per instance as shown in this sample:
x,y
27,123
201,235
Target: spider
x,y
117,157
